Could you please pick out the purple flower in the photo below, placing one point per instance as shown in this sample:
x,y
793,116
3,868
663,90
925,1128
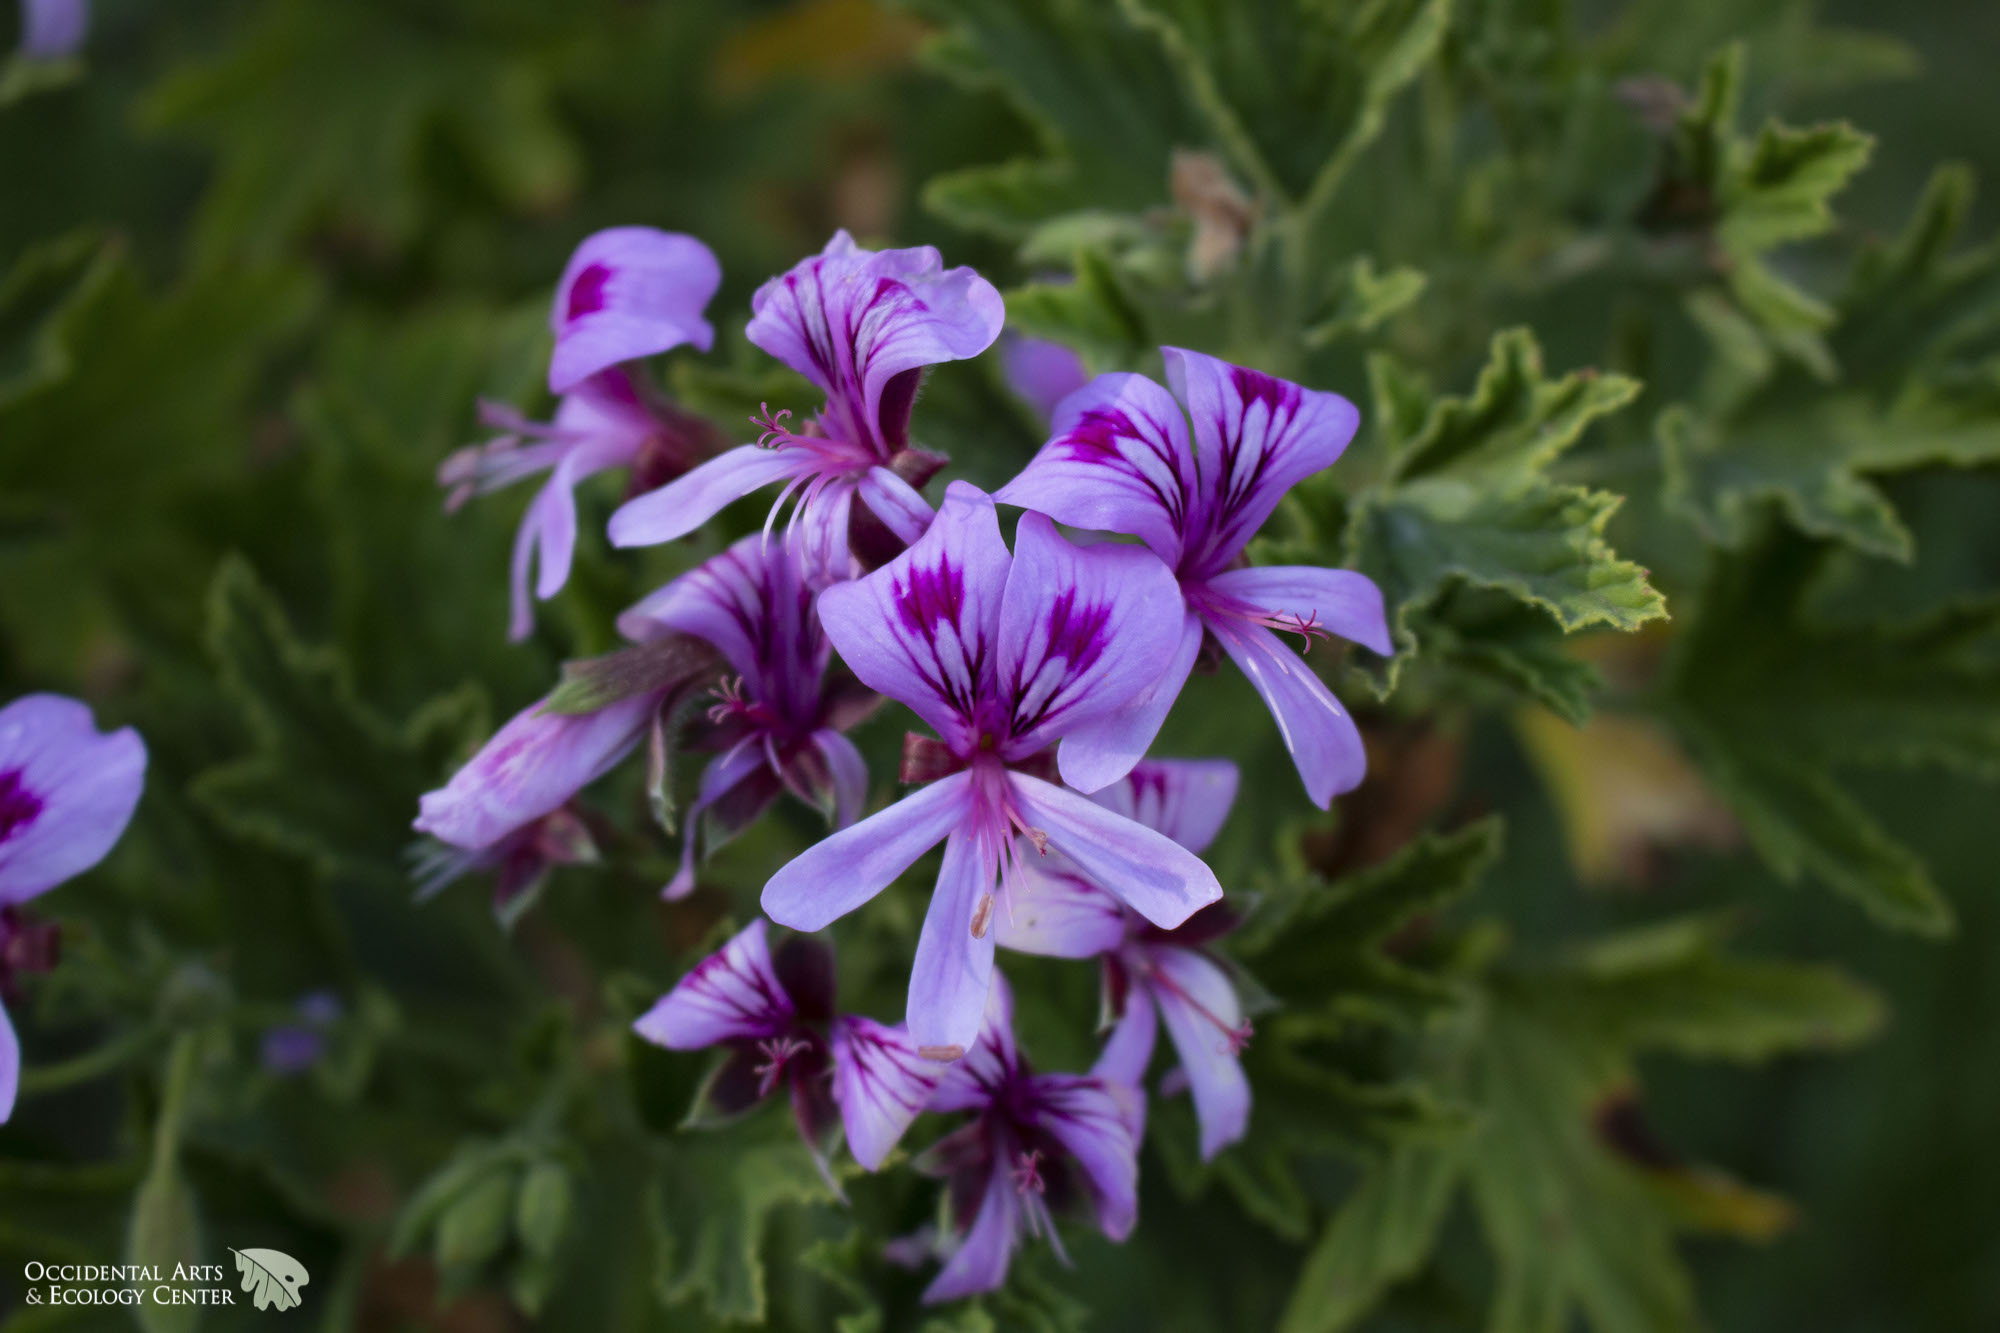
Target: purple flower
x,y
1153,975
1042,373
606,422
1037,1144
66,794
53,29
627,293
1120,460
293,1048
518,861
776,1017
530,768
777,725
1002,655
862,325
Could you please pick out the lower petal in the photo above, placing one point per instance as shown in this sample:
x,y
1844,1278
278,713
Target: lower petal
x,y
1162,880
724,773
1340,600
954,964
10,1065
1101,750
881,1084
1088,1117
897,503
1322,738
685,503
555,522
850,775
980,1262
839,873
1198,1004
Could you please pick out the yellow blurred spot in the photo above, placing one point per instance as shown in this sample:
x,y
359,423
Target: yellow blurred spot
x,y
1624,792
829,40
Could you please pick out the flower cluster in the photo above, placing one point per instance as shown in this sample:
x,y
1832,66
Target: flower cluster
x,y
1042,671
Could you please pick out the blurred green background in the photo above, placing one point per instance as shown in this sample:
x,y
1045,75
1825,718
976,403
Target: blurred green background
x,y
269,255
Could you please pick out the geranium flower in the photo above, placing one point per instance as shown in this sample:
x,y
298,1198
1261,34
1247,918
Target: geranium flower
x,y
607,422
53,29
1153,975
627,293
1037,1144
1002,655
1120,460
67,792
778,721
776,1017
862,325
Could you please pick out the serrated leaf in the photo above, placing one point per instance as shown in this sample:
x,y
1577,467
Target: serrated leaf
x,y
1092,314
1363,300
1516,422
711,1202
1295,89
1320,946
1771,700
297,138
1384,1231
40,299
305,722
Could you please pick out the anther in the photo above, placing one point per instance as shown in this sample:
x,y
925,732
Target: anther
x,y
982,916
943,1055
1028,1172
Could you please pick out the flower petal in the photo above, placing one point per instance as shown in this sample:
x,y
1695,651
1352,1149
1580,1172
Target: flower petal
x,y
1127,1052
753,604
1322,738
1160,879
1042,373
1118,461
688,501
980,1262
859,324
1099,750
1089,1118
732,995
922,628
1053,909
1198,1003
66,792
10,1065
953,968
1340,600
1082,629
629,292
881,1084
844,870
741,764
1255,437
530,766
976,1078
849,772
1186,799
50,30
899,505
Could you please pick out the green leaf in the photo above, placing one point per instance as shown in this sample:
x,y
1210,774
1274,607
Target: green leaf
x,y
297,137
1579,1206
1105,102
40,301
303,717
166,1227
713,1198
1913,319
1319,946
1467,508
1771,699
1383,1233
1363,300
1295,89
542,1208
1092,314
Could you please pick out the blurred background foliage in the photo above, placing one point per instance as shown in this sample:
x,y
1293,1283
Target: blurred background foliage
x,y
261,259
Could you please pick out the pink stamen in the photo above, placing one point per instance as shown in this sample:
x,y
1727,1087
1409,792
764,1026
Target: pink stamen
x,y
776,1051
1306,627
772,424
1235,1036
1028,1172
